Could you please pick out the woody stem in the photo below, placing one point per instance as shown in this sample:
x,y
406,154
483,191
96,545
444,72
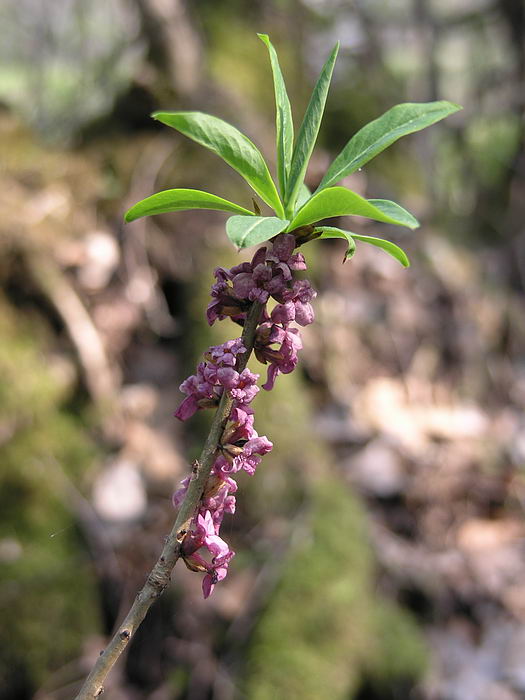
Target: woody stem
x,y
159,576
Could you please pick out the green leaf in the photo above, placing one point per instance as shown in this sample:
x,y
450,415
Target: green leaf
x,y
303,196
332,232
232,146
308,132
400,216
245,231
373,138
338,201
283,117
179,200
391,248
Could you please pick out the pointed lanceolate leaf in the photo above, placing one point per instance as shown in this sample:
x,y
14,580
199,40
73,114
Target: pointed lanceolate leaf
x,y
308,132
283,117
303,196
391,248
332,232
338,201
245,231
179,200
373,138
395,212
231,145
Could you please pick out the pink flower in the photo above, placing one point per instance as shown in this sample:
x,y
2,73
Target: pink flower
x,y
206,530
178,496
225,355
246,388
217,373
187,408
240,425
300,295
224,303
284,313
200,393
250,283
217,572
250,457
282,359
205,535
283,256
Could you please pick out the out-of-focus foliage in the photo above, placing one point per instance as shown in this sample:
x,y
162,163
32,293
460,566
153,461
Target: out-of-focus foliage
x,y
324,623
63,63
47,588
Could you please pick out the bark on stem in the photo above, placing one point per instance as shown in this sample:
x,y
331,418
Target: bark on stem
x,y
159,576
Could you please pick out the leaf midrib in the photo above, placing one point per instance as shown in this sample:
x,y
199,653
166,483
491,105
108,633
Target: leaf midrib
x,y
249,230
369,148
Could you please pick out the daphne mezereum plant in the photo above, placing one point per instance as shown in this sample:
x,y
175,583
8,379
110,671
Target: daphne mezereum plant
x,y
262,297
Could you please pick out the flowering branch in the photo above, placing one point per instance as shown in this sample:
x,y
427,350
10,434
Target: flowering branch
x,y
235,293
223,380
159,577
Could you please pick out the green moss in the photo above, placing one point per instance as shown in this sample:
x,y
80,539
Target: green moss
x,y
325,630
47,592
492,142
313,638
26,386
400,653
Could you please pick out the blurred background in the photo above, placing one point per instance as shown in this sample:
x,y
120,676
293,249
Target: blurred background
x,y
380,546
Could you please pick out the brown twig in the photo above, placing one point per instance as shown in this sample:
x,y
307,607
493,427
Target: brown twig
x,y
159,576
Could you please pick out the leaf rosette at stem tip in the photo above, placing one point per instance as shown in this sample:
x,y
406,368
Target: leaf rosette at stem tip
x,y
295,208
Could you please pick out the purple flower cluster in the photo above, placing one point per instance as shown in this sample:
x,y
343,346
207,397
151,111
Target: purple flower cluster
x,y
216,373
241,448
267,277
